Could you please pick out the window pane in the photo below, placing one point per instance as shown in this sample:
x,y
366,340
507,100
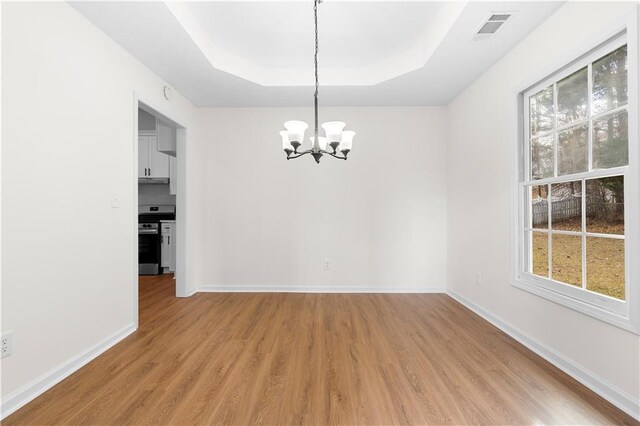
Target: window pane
x,y
605,205
572,150
566,259
566,206
542,157
541,111
610,81
605,266
610,141
540,253
539,206
572,97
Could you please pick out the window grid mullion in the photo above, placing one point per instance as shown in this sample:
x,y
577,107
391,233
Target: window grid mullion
x,y
527,151
589,115
529,220
555,132
541,135
608,112
549,242
577,234
584,233
583,121
589,168
597,173
573,124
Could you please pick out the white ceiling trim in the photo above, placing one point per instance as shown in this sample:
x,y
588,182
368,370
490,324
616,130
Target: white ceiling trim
x,y
383,70
151,32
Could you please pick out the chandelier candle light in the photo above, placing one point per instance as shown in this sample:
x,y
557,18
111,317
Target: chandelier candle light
x,y
335,135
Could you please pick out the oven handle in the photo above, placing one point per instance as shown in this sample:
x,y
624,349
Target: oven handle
x,y
147,231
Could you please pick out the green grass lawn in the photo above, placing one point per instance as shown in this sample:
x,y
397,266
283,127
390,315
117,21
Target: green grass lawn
x,y
605,258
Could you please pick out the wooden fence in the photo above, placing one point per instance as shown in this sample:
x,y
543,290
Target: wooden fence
x,y
572,208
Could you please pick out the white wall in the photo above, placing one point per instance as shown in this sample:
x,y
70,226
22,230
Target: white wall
x,y
68,258
482,137
380,217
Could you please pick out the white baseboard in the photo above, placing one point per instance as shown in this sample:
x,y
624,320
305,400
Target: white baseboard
x,y
313,289
37,387
611,393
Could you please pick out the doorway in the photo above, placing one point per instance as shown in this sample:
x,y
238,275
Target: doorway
x,y
160,199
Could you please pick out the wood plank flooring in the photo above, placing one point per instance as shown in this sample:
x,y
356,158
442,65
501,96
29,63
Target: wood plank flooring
x,y
315,359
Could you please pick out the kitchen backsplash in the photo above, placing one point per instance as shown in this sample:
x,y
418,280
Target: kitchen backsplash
x,y
150,194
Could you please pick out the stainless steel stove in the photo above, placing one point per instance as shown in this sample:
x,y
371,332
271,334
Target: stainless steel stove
x,y
149,244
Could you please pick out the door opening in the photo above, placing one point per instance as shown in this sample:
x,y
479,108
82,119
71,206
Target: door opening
x,y
159,195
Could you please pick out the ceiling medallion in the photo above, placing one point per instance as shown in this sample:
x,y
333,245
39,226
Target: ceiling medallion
x,y
335,137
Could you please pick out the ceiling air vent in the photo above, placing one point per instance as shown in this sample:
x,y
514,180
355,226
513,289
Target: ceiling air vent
x,y
500,18
493,24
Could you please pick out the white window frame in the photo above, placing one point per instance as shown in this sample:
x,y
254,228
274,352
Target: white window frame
x,y
624,314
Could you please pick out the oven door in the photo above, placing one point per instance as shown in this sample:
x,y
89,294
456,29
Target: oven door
x,y
149,251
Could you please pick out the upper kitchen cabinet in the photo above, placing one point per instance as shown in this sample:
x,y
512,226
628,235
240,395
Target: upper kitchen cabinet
x,y
166,138
173,176
151,162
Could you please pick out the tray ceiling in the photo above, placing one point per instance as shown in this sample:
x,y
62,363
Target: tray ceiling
x,y
260,53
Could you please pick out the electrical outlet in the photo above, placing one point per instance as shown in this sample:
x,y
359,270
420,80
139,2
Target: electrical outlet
x,y
115,200
479,278
6,348
327,264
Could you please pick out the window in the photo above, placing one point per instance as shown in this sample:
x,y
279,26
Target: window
x,y
576,183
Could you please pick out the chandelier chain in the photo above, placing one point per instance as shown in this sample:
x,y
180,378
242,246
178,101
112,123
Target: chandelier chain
x,y
335,141
315,63
315,59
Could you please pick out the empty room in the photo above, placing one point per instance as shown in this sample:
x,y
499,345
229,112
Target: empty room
x,y
320,212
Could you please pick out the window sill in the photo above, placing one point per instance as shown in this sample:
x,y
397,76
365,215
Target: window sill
x,y
578,305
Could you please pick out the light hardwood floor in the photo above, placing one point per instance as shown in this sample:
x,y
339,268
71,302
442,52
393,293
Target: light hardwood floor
x,y
315,359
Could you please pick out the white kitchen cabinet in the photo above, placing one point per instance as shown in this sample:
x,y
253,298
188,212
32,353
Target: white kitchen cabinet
x,y
143,156
151,162
173,175
168,249
166,138
158,162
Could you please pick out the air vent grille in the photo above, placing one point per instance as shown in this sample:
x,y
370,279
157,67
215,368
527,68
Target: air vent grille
x,y
502,17
490,27
495,21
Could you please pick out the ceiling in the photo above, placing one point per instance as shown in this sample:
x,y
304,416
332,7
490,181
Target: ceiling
x,y
260,53
358,44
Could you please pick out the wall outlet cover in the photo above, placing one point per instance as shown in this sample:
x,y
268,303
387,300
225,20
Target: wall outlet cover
x,y
6,348
115,199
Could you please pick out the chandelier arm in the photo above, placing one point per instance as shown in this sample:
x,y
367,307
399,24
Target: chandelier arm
x,y
322,151
310,151
300,154
336,156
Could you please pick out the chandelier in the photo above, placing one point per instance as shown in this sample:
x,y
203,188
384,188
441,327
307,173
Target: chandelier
x,y
335,136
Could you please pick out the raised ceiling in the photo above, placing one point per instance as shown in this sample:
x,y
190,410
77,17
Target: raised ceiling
x,y
260,53
361,44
